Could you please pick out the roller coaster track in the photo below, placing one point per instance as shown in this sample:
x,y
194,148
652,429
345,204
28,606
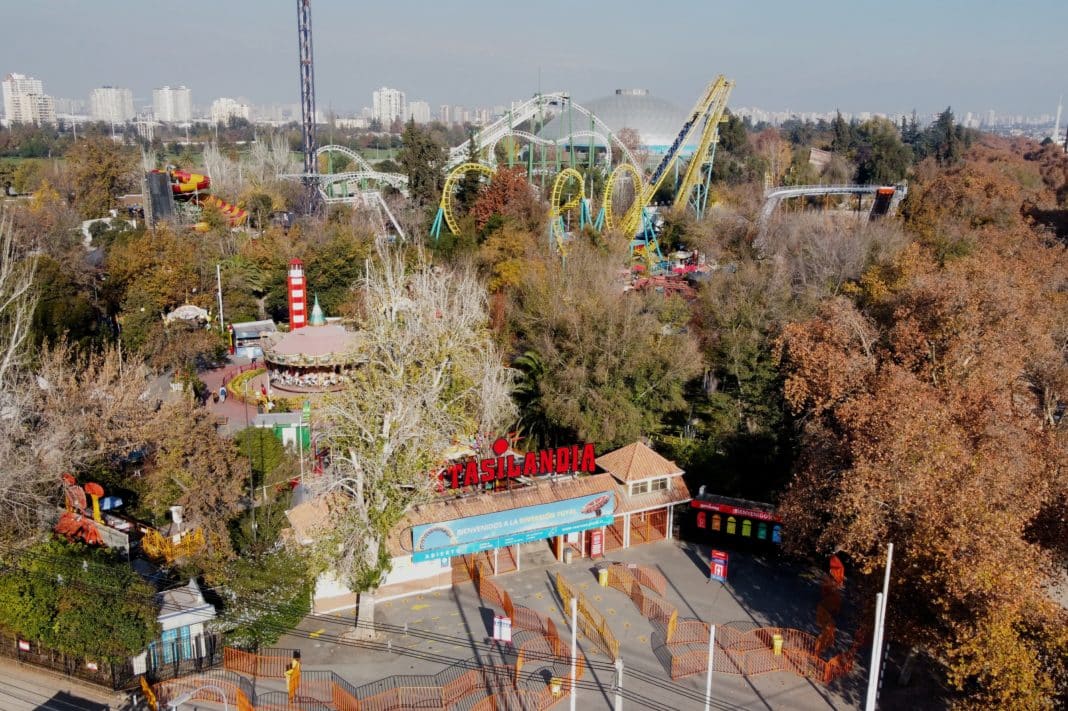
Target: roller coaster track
x,y
610,188
707,112
774,196
491,134
361,164
491,149
558,206
692,189
445,207
356,183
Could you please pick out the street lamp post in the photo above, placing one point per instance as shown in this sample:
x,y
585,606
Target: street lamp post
x,y
187,696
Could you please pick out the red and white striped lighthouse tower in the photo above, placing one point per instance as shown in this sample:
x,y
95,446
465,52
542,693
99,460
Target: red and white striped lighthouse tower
x,y
298,300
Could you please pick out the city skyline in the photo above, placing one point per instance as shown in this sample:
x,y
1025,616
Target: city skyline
x,y
923,58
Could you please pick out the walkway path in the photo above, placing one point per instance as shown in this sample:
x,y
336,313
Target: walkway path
x,y
237,415
25,688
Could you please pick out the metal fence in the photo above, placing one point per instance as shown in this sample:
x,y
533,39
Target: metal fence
x,y
195,655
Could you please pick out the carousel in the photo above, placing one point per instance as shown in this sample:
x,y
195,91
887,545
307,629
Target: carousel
x,y
317,358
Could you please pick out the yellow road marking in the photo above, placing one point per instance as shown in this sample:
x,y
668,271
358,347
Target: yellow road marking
x,y
417,608
435,619
316,633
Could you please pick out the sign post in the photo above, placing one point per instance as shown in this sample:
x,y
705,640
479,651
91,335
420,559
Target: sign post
x,y
305,421
717,566
596,543
502,628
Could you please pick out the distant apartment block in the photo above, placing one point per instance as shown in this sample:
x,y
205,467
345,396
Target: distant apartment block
x,y
388,105
172,104
419,111
111,104
224,109
26,102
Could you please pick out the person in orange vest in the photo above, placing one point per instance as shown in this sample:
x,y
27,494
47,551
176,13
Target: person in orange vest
x,y
292,675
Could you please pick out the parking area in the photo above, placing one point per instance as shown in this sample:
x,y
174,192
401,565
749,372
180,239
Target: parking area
x,y
422,634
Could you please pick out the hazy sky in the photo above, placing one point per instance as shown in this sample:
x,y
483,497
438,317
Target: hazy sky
x,y
806,56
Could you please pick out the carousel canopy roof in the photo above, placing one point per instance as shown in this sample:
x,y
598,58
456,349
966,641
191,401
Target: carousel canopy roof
x,y
329,344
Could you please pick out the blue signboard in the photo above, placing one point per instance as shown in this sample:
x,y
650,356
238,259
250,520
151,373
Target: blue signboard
x,y
505,528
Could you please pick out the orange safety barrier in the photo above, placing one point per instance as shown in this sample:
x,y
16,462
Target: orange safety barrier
x,y
203,688
487,704
269,666
591,623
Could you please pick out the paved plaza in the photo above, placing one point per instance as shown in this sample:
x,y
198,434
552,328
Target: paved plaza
x,y
449,626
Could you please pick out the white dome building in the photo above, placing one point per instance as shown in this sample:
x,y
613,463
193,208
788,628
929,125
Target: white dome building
x,y
656,121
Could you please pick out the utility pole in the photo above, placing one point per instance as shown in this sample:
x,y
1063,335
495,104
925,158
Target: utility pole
x,y
574,647
619,685
218,286
711,659
875,672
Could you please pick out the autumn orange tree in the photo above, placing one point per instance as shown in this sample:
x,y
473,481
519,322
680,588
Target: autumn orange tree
x,y
929,406
509,196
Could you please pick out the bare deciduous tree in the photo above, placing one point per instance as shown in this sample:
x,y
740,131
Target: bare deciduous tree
x,y
430,375
20,491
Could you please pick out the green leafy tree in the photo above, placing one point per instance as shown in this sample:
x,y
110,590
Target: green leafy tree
x,y
881,156
944,140
268,588
423,161
82,601
842,140
733,137
259,209
266,594
471,183
264,451
613,366
101,171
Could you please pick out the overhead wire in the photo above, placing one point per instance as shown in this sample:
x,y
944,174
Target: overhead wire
x,y
480,649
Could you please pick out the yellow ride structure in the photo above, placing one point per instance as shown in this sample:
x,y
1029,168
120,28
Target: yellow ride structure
x,y
446,213
568,189
564,198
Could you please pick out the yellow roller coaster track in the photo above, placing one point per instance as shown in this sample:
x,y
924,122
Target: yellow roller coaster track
x,y
557,208
708,112
716,114
450,187
610,222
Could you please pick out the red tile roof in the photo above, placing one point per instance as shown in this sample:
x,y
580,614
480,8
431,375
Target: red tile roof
x,y
636,462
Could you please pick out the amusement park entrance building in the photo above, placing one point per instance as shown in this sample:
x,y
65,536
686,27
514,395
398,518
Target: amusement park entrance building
x,y
632,500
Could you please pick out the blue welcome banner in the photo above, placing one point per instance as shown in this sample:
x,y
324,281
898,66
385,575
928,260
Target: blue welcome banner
x,y
473,534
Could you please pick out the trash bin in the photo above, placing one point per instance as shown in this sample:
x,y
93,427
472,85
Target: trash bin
x,y
776,644
568,555
602,577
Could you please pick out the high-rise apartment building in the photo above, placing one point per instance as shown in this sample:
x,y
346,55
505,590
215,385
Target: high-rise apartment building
x,y
172,104
419,111
25,101
224,109
387,105
445,114
112,104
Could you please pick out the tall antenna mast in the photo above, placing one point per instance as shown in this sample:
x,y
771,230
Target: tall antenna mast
x,y
307,106
1057,122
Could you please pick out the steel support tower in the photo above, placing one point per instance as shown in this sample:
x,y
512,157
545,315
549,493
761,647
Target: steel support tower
x,y
307,106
